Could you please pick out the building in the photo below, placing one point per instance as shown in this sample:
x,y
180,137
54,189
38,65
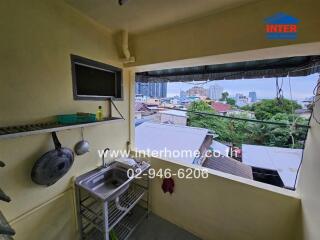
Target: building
x,y
307,102
241,100
152,89
175,117
189,99
153,102
221,108
142,110
220,161
173,138
241,113
215,92
275,165
228,165
183,94
220,148
140,98
197,91
175,101
141,107
304,113
253,97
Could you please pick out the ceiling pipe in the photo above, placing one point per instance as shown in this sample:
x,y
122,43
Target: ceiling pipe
x,y
125,48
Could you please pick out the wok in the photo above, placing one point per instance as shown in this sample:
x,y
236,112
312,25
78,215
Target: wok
x,y
53,165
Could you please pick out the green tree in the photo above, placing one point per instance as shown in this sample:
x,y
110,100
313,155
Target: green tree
x,y
224,96
227,130
205,121
243,132
231,101
279,136
289,136
247,108
268,108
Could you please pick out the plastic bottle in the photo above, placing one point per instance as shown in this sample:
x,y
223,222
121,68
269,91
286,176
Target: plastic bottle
x,y
99,114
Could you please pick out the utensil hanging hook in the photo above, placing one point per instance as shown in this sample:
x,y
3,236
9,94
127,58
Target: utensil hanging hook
x,y
82,133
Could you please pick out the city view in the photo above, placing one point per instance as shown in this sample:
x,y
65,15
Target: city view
x,y
243,119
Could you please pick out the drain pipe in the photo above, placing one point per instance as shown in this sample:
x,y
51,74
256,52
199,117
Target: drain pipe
x,y
119,206
125,48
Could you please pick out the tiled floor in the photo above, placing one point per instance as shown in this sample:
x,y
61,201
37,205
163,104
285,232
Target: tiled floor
x,y
156,228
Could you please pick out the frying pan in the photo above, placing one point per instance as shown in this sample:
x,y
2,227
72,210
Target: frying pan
x,y
53,165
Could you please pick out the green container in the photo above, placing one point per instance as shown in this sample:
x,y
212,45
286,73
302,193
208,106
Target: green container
x,y
76,118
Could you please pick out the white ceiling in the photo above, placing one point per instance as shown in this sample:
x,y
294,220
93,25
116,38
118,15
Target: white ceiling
x,y
142,15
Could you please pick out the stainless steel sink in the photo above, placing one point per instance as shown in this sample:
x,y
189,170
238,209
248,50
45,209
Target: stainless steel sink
x,y
105,196
106,183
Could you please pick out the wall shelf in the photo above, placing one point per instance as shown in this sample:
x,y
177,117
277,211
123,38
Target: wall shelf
x,y
40,128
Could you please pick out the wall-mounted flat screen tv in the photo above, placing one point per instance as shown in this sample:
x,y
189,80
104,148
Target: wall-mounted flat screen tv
x,y
94,80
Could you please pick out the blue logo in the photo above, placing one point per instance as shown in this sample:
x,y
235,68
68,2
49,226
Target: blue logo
x,y
281,27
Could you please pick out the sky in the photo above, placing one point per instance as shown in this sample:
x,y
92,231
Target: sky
x,y
302,87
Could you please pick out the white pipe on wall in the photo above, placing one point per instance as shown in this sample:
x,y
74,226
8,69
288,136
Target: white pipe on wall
x,y
125,47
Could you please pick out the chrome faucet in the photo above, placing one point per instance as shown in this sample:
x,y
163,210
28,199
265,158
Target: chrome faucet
x,y
103,161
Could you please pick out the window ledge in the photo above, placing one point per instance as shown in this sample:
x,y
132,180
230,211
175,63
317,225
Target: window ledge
x,y
230,177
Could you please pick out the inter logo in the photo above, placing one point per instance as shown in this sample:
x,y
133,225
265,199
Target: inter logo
x,y
281,27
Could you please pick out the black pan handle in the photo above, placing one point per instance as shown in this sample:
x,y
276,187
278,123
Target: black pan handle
x,y
6,230
57,144
4,196
2,164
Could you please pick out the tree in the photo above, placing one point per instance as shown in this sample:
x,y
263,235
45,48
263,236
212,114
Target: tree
x,y
226,129
241,132
247,108
268,108
213,123
224,96
279,136
231,101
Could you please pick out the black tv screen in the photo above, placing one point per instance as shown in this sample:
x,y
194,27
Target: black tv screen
x,y
94,80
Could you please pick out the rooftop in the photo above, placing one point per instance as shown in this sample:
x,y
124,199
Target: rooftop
x,y
285,161
229,165
174,112
220,148
154,136
220,107
140,106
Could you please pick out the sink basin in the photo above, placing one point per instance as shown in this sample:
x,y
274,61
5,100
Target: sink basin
x,y
112,181
105,183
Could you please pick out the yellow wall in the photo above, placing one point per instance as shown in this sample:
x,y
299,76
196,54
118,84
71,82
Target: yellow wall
x,y
37,38
219,208
309,179
235,30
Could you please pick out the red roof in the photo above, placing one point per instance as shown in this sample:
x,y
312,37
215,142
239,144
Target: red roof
x,y
220,107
